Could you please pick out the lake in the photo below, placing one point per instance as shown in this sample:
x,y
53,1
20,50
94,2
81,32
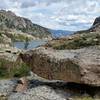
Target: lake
x,y
32,44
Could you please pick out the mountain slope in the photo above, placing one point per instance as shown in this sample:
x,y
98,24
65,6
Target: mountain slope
x,y
9,21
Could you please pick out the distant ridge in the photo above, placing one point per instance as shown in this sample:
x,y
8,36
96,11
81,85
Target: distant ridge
x,y
60,33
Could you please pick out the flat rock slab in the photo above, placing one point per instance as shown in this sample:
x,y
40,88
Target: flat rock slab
x,y
6,87
39,93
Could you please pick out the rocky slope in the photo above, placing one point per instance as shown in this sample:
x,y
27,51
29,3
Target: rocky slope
x,y
9,21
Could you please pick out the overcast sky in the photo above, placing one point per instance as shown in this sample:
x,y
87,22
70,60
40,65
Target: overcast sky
x,y
56,14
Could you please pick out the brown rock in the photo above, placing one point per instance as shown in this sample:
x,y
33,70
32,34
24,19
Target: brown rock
x,y
79,66
22,85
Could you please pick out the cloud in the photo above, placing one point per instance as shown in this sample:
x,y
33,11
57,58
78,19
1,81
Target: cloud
x,y
56,14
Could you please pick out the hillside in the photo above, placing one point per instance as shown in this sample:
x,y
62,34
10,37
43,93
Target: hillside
x,y
80,39
11,22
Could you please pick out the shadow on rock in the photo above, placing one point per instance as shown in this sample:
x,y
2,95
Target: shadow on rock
x,y
71,87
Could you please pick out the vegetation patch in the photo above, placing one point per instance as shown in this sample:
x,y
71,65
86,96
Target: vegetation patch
x,y
9,69
77,41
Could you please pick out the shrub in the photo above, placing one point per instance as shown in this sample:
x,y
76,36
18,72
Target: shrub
x,y
3,68
9,69
82,40
22,70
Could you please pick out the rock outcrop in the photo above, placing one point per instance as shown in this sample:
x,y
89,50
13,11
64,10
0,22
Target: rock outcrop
x,y
79,66
4,39
96,25
97,21
9,53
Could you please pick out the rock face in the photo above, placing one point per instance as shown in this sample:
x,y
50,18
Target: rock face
x,y
10,21
95,27
79,66
97,21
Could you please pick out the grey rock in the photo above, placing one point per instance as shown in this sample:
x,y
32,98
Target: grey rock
x,y
39,93
6,87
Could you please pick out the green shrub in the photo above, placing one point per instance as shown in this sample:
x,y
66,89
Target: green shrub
x,y
22,70
3,72
9,69
0,34
3,68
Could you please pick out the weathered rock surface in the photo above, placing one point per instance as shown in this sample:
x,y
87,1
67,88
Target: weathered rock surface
x,y
10,53
38,93
37,90
42,89
4,39
79,66
6,87
22,85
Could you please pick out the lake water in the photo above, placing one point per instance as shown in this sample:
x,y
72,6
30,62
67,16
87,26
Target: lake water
x,y
32,44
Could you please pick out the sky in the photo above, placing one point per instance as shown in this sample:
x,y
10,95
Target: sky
x,y
56,14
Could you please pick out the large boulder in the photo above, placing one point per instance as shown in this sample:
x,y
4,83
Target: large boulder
x,y
79,66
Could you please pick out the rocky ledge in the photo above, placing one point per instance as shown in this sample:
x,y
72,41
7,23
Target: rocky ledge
x,y
78,66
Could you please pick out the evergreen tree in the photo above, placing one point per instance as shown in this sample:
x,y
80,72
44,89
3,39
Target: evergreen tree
x,y
26,43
